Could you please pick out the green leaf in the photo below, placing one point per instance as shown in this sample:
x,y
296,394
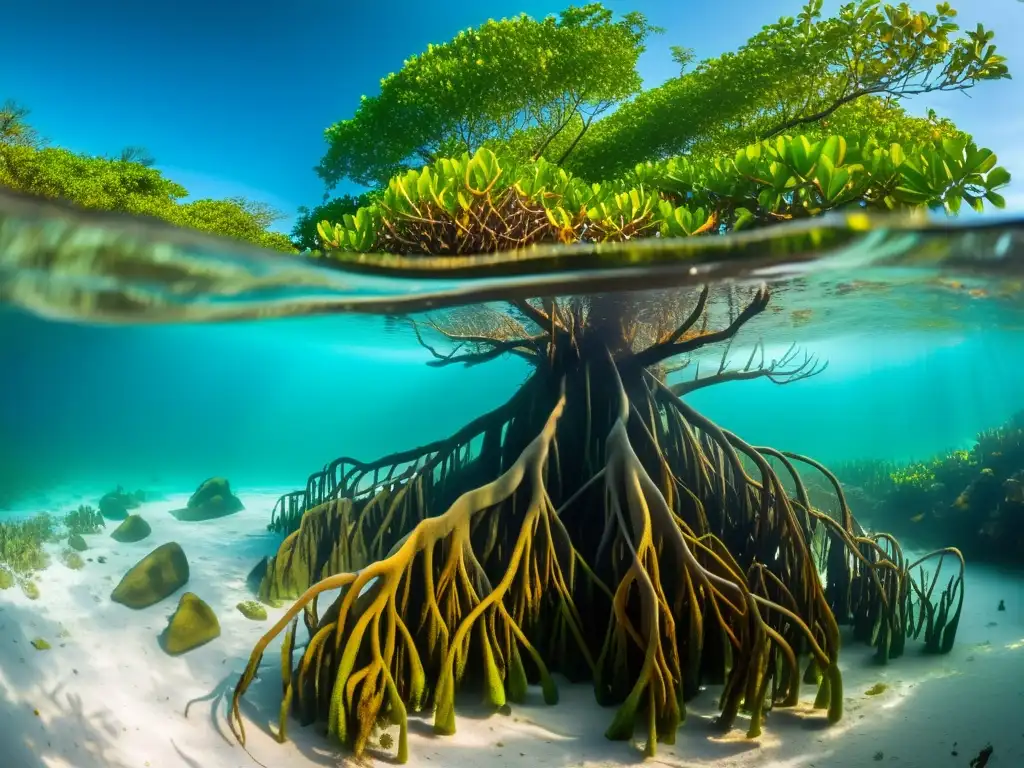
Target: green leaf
x,y
997,177
834,149
743,219
996,199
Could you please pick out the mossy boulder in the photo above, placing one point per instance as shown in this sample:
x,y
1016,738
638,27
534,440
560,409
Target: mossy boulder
x,y
77,543
212,499
132,529
158,575
113,506
193,624
6,579
252,610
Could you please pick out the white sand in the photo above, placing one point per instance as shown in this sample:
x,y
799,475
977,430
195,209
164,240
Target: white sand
x,y
108,696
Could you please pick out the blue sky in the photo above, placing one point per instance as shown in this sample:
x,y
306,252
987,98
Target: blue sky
x,y
233,98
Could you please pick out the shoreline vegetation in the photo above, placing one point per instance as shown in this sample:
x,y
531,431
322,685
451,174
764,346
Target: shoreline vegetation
x,y
596,527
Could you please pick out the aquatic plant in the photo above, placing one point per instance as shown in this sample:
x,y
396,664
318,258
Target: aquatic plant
x,y
21,543
974,497
84,520
72,559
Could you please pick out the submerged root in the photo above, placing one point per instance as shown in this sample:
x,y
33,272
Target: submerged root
x,y
677,558
399,627
496,578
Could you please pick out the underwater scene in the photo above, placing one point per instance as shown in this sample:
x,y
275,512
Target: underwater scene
x,y
619,403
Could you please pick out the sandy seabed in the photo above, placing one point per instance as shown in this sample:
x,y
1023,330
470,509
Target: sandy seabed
x,y
106,696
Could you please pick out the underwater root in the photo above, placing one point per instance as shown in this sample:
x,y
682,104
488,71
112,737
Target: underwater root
x,y
368,629
495,580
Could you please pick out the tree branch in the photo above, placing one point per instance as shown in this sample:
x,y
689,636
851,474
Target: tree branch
x,y
785,370
822,114
514,346
691,320
528,348
542,319
664,350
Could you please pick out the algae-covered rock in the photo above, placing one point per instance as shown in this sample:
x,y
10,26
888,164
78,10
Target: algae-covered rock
x,y
30,589
6,579
193,624
132,529
72,560
158,575
252,610
113,506
40,645
77,543
212,499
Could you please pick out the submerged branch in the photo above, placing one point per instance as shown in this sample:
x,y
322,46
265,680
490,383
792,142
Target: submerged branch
x,y
664,350
786,370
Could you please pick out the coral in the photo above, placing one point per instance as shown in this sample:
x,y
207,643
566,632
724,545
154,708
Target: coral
x,y
77,543
252,610
133,528
193,624
212,499
157,576
72,559
84,520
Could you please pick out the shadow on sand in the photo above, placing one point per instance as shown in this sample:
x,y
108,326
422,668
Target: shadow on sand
x,y
37,726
